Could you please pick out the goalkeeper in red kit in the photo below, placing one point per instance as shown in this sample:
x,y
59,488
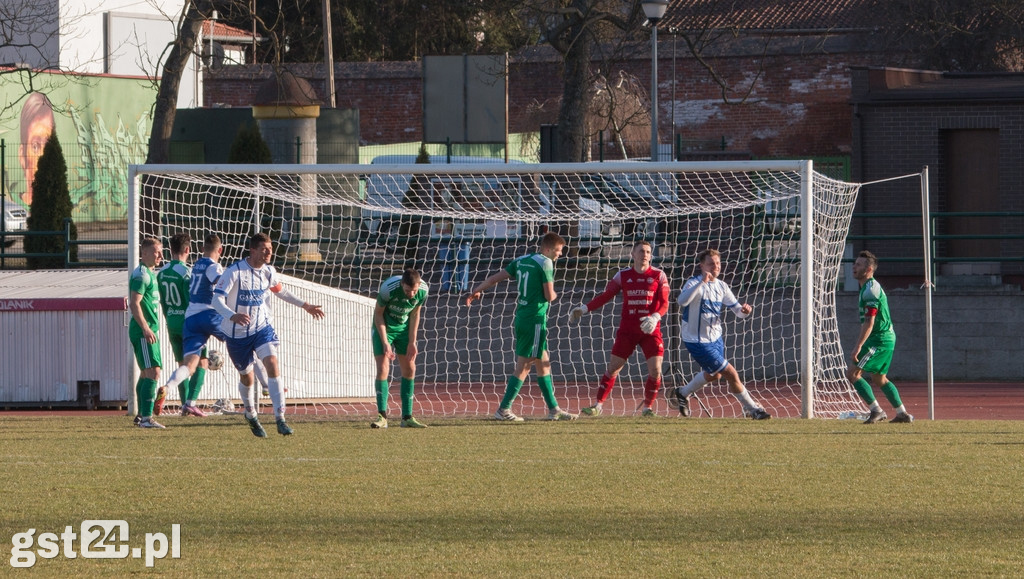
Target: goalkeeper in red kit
x,y
644,302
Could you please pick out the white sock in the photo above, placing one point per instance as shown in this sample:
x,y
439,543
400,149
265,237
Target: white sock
x,y
745,399
190,403
901,410
179,375
875,405
246,393
694,385
277,396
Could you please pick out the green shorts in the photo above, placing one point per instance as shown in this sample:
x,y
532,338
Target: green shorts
x,y
146,354
875,357
531,338
399,342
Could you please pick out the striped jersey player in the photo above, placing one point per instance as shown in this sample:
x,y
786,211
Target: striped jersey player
x,y
241,296
644,302
703,299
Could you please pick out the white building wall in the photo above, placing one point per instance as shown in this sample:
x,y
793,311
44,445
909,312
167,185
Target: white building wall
x,y
120,37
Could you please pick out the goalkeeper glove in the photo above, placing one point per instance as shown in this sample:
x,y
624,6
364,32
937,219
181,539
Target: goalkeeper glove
x,y
649,323
577,313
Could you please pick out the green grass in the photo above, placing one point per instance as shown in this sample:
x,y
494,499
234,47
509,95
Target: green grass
x,y
599,497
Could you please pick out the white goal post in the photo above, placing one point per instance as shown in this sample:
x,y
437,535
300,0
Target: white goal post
x,y
340,230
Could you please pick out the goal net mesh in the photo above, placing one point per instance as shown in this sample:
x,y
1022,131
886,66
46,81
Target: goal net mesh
x,y
340,231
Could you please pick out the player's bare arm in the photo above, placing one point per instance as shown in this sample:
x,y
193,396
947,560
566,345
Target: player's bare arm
x,y
414,326
487,284
865,331
135,305
382,332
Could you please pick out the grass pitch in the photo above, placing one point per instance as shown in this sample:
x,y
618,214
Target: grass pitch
x,y
599,497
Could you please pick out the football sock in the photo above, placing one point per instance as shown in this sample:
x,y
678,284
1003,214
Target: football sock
x,y
605,389
381,388
406,392
651,387
245,393
511,391
196,384
875,405
276,387
864,389
901,409
695,384
547,390
745,399
892,394
179,376
145,392
183,392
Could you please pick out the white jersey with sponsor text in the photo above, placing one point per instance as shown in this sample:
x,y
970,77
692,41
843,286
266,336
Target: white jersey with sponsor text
x,y
247,290
702,317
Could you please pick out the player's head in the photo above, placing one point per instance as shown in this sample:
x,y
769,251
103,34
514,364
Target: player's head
x,y
641,254
180,243
212,245
710,261
151,251
36,127
410,282
551,245
261,251
864,266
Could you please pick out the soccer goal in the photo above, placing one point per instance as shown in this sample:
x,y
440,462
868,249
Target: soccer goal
x,y
340,230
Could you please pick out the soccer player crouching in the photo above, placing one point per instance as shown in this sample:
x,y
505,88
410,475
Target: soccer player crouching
x,y
241,298
644,302
396,321
703,298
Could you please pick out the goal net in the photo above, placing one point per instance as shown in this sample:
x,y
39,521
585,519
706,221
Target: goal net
x,y
340,230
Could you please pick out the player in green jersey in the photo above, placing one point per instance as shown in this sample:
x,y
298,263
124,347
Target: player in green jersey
x,y
396,321
875,344
175,286
144,303
534,275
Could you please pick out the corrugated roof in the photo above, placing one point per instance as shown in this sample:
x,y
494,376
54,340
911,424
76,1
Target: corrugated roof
x,y
94,283
765,15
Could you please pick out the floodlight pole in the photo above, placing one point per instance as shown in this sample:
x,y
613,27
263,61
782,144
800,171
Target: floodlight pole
x,y
654,10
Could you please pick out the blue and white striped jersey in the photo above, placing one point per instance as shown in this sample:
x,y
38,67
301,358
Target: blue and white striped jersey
x,y
205,273
246,291
702,309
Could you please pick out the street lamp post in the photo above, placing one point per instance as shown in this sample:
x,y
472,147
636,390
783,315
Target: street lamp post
x,y
654,10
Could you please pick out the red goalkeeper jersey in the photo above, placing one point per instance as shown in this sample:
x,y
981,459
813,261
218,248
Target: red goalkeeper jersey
x,y
642,295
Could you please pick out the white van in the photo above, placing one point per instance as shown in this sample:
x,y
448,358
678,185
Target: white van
x,y
15,219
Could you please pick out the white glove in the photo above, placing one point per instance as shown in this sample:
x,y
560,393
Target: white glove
x,y
577,313
649,323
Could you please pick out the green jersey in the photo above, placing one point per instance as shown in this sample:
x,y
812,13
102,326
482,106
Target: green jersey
x,y
397,306
872,296
174,280
531,272
144,283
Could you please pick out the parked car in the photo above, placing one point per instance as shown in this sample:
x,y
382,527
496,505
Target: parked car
x,y
15,219
593,234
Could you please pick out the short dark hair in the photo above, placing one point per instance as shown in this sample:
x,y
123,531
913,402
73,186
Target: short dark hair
x,y
642,242
149,242
551,239
258,239
870,257
180,242
704,254
411,277
211,242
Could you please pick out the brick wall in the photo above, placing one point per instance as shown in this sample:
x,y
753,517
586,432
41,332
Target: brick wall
x,y
799,106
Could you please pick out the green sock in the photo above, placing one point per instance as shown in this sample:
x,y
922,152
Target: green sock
x,y
511,391
195,384
381,386
145,393
183,391
892,394
547,390
406,392
864,389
